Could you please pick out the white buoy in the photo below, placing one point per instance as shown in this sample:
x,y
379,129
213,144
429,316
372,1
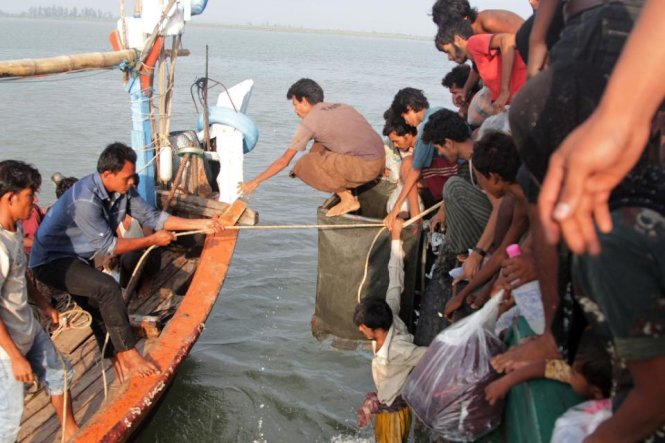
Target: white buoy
x,y
165,164
230,142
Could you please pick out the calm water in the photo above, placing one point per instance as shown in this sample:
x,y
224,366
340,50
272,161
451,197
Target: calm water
x,y
256,374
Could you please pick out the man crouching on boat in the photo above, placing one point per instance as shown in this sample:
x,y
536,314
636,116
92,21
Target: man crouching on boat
x,y
82,225
346,153
395,355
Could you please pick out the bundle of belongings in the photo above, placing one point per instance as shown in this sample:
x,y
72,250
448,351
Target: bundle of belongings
x,y
446,389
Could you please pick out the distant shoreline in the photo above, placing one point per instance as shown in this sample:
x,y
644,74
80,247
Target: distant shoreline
x,y
268,28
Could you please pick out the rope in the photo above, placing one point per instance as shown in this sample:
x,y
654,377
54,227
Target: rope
x,y
376,237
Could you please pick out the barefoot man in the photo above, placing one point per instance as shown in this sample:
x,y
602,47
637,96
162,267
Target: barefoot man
x,y
346,153
80,226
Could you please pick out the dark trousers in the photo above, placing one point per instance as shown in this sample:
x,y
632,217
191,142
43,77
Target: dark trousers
x,y
129,260
96,292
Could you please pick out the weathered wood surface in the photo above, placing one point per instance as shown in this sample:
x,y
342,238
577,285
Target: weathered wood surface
x,y
203,207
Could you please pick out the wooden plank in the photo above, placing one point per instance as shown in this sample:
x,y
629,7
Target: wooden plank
x,y
184,269
80,360
85,405
204,207
70,339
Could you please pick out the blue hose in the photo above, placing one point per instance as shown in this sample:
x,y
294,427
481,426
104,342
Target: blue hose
x,y
237,120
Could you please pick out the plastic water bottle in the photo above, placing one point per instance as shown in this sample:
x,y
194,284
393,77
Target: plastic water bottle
x,y
528,298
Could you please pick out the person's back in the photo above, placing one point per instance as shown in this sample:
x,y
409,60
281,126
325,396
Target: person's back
x,y
341,129
497,21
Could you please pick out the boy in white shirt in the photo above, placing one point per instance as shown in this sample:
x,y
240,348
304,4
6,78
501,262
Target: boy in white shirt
x,y
395,355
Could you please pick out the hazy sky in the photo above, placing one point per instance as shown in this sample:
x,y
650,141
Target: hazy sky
x,y
396,16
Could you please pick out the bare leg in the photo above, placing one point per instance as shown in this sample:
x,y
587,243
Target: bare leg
x,y
71,427
348,203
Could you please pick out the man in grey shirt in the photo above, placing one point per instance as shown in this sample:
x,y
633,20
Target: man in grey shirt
x,y
346,153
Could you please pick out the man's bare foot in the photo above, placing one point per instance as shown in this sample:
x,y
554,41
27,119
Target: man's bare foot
x,y
348,203
132,364
541,348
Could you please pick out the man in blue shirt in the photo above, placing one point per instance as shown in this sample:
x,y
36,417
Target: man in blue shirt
x,y
81,225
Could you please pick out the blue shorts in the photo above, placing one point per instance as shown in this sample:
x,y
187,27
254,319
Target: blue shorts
x,y
47,366
48,369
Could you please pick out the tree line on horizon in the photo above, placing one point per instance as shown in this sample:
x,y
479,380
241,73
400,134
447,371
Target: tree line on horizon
x,y
60,12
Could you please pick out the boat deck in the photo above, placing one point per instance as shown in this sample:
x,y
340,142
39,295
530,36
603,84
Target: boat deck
x,y
159,295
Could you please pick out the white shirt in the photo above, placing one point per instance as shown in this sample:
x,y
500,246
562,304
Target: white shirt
x,y
398,355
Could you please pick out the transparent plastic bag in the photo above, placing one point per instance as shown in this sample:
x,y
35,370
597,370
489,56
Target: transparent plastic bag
x,y
446,389
578,422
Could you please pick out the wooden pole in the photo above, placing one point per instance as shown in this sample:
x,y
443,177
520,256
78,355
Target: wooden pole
x,y
66,63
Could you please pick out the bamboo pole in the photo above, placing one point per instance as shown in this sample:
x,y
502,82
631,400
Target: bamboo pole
x,y
66,63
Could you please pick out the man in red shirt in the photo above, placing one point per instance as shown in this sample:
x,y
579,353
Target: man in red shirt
x,y
500,67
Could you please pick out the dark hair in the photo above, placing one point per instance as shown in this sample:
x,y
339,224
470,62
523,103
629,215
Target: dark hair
x,y
449,29
395,123
409,98
444,10
374,313
593,362
63,185
457,76
306,88
113,158
496,152
16,176
444,124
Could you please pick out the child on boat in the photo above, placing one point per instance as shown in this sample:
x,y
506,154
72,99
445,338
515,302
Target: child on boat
x,y
27,353
395,355
590,375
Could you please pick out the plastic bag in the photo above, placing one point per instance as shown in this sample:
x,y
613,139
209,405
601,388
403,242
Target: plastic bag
x,y
530,303
581,420
446,389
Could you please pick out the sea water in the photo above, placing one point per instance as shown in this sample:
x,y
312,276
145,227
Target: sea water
x,y
257,374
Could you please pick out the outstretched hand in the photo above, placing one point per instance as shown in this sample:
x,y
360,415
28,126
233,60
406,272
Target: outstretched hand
x,y
246,189
590,162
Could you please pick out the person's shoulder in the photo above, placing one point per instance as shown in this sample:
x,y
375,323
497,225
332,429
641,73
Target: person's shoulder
x,y
479,41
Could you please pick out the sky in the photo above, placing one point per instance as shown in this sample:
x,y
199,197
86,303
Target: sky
x,y
384,16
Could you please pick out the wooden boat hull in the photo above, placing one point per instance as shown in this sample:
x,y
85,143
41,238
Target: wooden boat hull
x,y
122,414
